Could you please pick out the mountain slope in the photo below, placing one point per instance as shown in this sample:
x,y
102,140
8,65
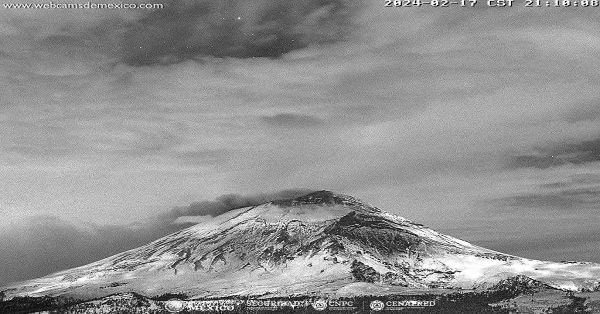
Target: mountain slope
x,y
319,244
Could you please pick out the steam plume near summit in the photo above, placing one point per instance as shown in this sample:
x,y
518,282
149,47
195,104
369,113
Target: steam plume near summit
x,y
227,202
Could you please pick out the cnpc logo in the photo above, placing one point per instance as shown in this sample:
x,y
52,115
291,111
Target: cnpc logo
x,y
333,304
340,303
376,305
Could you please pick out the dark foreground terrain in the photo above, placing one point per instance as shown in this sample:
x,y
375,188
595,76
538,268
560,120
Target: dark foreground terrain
x,y
500,301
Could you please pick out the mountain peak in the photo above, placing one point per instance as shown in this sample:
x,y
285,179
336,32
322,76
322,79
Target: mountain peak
x,y
322,197
294,246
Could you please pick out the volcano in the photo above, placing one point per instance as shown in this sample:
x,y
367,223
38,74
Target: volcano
x,y
320,244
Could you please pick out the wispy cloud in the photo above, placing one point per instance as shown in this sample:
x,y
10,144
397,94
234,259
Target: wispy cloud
x,y
576,192
567,199
559,154
292,120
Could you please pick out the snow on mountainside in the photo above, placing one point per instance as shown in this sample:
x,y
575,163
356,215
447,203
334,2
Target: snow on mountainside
x,y
319,244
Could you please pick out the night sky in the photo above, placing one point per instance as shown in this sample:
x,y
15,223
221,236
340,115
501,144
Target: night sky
x,y
120,126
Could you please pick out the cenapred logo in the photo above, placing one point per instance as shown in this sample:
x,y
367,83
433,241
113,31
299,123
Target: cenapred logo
x,y
174,305
320,305
377,305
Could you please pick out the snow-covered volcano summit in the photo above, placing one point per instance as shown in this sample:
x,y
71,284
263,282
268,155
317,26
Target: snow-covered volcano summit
x,y
320,243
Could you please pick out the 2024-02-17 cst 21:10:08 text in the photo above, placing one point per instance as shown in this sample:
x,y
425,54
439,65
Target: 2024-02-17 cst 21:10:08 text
x,y
492,3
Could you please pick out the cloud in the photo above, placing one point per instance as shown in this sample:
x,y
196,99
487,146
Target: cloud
x,y
203,157
533,161
559,154
42,244
575,198
587,111
292,120
576,180
574,244
579,153
229,202
419,111
186,30
576,192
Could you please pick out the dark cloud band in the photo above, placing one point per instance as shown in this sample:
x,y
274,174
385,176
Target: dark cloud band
x,y
191,29
556,155
292,120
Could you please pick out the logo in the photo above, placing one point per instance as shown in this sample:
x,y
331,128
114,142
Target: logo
x,y
409,303
277,304
320,305
340,305
377,305
174,305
